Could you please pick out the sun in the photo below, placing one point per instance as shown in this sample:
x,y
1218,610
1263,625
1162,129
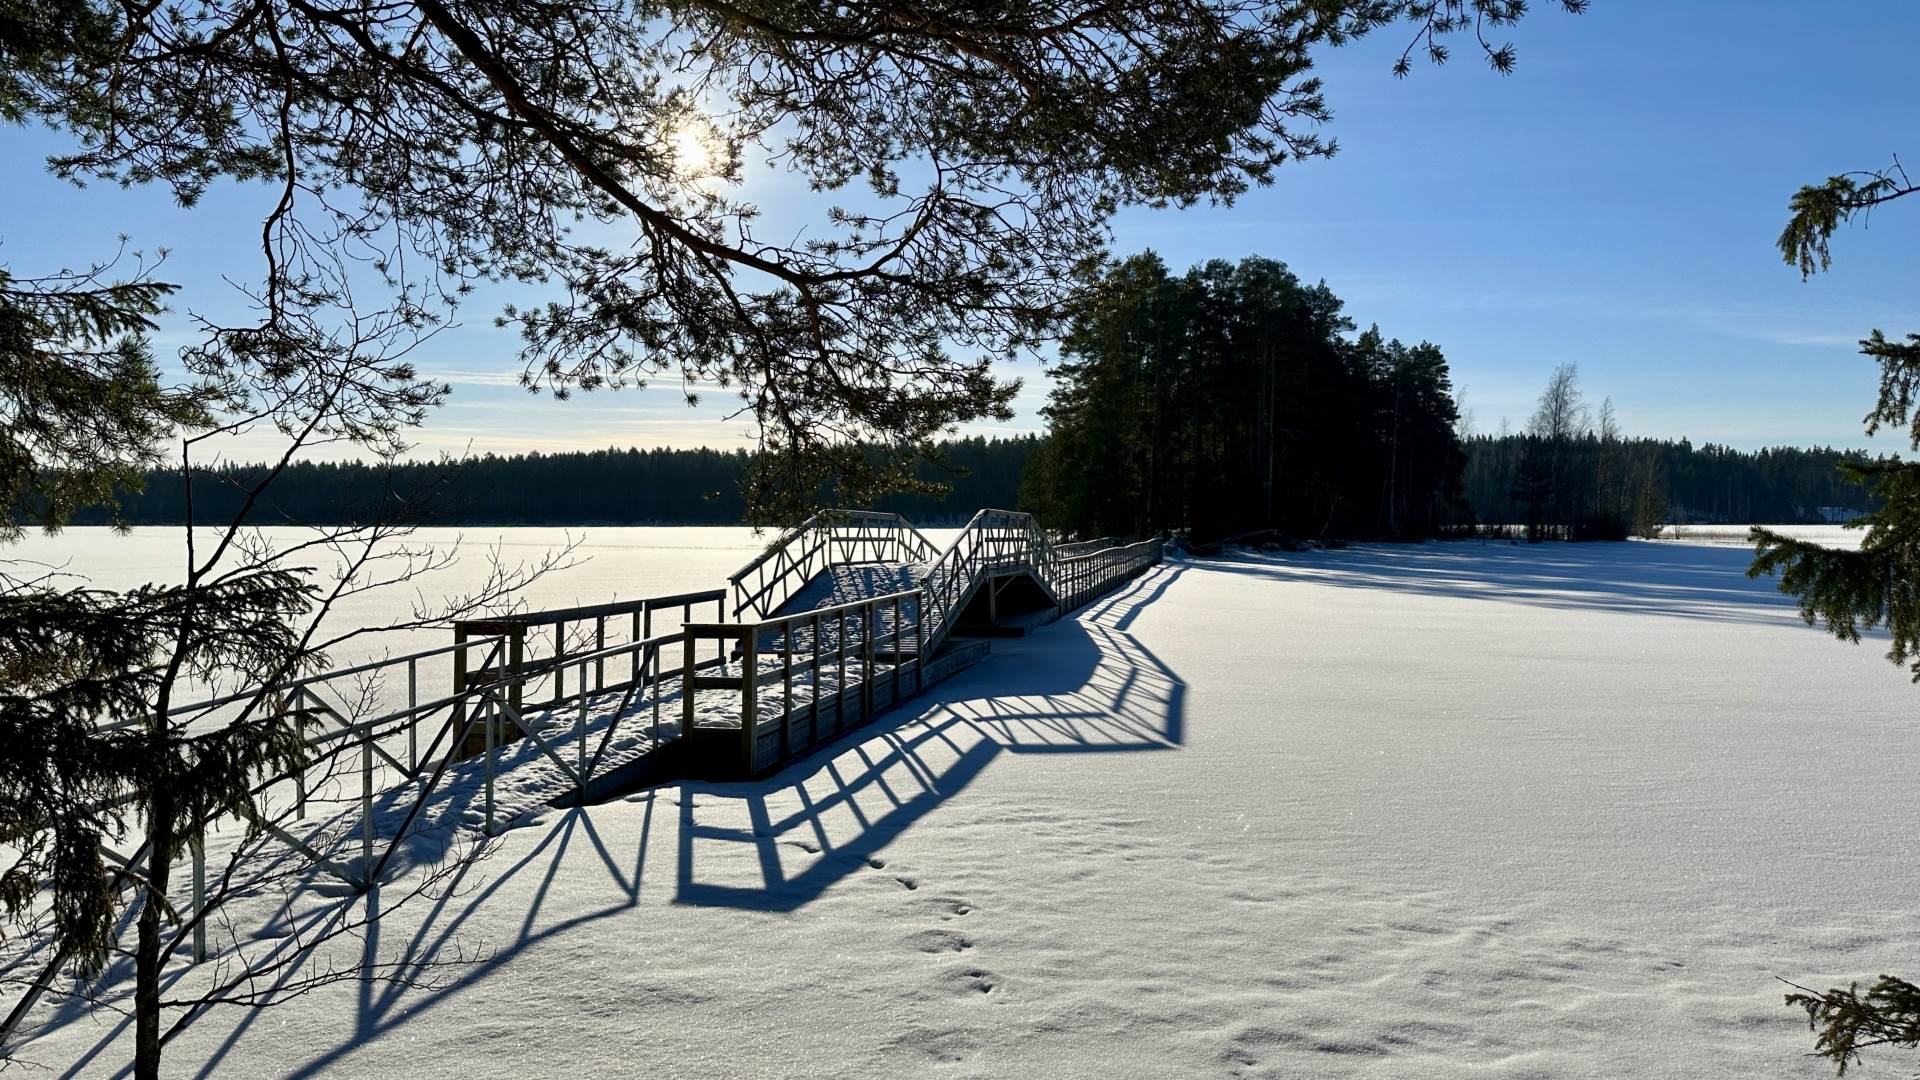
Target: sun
x,y
695,157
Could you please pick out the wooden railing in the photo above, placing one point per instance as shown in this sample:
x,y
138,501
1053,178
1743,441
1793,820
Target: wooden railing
x,y
993,541
828,538
842,646
498,679
1083,577
566,634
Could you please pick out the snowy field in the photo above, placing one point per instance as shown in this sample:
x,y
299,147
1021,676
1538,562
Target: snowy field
x,y
1831,535
1470,810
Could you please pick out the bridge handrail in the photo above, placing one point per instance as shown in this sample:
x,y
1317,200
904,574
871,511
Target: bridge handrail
x,y
1010,538
885,537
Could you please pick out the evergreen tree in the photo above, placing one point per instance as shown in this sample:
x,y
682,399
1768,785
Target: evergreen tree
x,y
1228,400
1852,591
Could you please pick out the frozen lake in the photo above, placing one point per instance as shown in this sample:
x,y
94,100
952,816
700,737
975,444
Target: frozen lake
x,y
1469,810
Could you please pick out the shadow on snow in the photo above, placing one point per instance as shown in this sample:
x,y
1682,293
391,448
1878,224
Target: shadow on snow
x,y
1084,685
1692,581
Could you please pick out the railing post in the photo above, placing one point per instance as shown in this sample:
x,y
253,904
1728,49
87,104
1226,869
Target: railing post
x,y
749,694
896,649
600,664
786,687
920,641
840,688
652,662
686,683
866,659
813,729
366,806
559,660
580,737
488,710
280,705
516,655
413,717
460,686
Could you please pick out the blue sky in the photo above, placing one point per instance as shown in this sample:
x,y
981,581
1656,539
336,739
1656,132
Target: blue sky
x,y
1612,204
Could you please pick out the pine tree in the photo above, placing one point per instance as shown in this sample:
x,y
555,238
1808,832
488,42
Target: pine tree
x,y
1851,591
1227,401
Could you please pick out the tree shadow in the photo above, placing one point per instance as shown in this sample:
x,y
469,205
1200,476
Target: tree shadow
x,y
1692,581
1079,686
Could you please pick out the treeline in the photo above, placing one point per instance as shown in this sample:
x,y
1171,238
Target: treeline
x,y
1242,416
1574,475
1228,400
1681,483
680,487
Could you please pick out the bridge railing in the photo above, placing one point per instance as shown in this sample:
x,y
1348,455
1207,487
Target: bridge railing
x,y
828,538
1084,577
993,541
406,720
541,647
789,662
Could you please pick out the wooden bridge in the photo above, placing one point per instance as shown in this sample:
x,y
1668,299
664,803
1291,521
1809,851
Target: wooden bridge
x,y
839,620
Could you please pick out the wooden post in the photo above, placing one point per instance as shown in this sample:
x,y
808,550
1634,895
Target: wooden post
x,y
559,661
652,654
896,649
786,687
686,686
460,686
599,665
920,641
366,804
487,719
686,615
866,659
516,655
749,694
840,688
580,732
813,729
413,717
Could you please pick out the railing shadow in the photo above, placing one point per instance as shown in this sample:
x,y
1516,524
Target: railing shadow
x,y
1079,686
439,937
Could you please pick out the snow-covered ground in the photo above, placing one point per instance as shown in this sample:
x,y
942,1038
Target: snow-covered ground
x,y
1459,810
1830,535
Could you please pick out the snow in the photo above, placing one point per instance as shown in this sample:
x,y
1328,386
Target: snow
x,y
1460,810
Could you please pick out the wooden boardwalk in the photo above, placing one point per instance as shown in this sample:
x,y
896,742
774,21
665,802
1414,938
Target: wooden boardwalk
x,y
839,620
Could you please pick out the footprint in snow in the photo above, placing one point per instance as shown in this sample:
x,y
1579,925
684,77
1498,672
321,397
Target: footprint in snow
x,y
938,941
971,981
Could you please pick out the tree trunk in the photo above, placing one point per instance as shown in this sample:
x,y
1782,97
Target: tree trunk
x,y
148,958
